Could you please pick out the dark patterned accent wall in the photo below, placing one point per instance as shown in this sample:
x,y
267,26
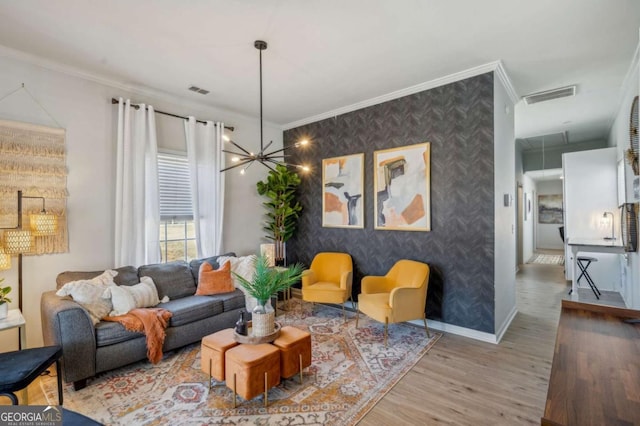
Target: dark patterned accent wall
x,y
458,121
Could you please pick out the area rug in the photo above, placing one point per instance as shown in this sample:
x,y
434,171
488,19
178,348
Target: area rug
x,y
351,371
548,259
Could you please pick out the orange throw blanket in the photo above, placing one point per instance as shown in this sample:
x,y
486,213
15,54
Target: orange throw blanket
x,y
150,321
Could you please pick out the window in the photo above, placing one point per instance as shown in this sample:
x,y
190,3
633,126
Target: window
x,y
177,230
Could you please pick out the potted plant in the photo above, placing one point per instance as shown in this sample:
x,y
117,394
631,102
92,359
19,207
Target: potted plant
x,y
265,282
283,209
4,300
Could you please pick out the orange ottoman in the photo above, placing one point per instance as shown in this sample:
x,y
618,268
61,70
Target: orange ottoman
x,y
212,350
252,369
295,351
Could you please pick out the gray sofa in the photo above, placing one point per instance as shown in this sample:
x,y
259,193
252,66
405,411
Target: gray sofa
x,y
88,350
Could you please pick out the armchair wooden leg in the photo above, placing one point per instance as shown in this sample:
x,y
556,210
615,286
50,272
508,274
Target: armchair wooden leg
x,y
353,304
386,326
426,327
344,313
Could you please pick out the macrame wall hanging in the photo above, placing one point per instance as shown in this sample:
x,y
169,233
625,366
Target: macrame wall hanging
x,y
33,160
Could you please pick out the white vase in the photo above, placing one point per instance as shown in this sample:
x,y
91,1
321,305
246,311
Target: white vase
x,y
4,310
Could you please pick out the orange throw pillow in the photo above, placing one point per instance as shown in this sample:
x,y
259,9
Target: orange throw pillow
x,y
212,281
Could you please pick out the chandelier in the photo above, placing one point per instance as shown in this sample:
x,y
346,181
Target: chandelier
x,y
268,159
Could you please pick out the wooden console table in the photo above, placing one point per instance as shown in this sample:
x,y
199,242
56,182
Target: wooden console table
x,y
595,375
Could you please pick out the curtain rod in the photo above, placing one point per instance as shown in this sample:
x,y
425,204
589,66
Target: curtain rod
x,y
136,106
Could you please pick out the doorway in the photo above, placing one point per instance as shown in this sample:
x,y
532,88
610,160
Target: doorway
x,y
519,239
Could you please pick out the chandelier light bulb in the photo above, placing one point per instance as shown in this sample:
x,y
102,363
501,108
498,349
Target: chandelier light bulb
x,y
225,138
270,159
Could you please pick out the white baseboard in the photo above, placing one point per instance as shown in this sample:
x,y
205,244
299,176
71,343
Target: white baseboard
x,y
460,331
505,325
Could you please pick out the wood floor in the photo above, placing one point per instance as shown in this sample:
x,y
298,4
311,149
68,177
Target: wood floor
x,y
465,382
461,381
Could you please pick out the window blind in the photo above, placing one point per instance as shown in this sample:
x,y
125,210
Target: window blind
x,y
173,181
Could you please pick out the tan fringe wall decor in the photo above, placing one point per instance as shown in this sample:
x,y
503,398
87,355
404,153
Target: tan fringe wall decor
x,y
33,159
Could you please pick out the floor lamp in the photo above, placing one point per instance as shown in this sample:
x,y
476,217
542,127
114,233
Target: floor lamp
x,y
18,241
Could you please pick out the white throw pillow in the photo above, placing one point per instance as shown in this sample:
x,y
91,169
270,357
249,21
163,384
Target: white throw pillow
x,y
127,297
245,266
89,294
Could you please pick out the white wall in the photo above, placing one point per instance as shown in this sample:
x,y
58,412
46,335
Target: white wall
x,y
84,108
590,189
505,217
619,137
547,235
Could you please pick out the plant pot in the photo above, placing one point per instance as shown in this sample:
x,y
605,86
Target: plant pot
x,y
4,311
263,318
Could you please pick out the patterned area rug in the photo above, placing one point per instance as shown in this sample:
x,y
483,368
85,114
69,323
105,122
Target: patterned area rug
x,y
548,259
351,371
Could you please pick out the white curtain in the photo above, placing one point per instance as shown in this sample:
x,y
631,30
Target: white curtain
x,y
137,215
206,159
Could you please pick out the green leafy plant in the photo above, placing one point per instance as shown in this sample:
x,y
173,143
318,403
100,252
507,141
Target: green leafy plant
x,y
267,281
4,291
283,209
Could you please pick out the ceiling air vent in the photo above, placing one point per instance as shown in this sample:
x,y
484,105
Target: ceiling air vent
x,y
198,90
548,95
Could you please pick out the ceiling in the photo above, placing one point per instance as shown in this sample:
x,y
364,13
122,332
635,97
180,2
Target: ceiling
x,y
328,54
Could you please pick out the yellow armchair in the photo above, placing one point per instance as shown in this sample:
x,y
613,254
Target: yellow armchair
x,y
328,280
399,296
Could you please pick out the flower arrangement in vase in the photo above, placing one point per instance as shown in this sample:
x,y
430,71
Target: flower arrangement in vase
x,y
267,281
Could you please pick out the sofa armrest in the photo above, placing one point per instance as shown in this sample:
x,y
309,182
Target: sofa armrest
x,y
67,324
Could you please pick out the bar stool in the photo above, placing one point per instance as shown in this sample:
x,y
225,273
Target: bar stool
x,y
583,264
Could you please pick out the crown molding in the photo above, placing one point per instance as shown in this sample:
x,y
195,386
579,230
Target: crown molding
x,y
506,82
495,66
632,72
115,84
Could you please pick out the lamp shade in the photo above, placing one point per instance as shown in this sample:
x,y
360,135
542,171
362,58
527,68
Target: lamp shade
x,y
5,260
268,251
43,224
18,241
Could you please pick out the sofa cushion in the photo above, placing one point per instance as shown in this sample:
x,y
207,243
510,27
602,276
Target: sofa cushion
x,y
172,279
193,308
213,261
233,300
110,333
127,275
